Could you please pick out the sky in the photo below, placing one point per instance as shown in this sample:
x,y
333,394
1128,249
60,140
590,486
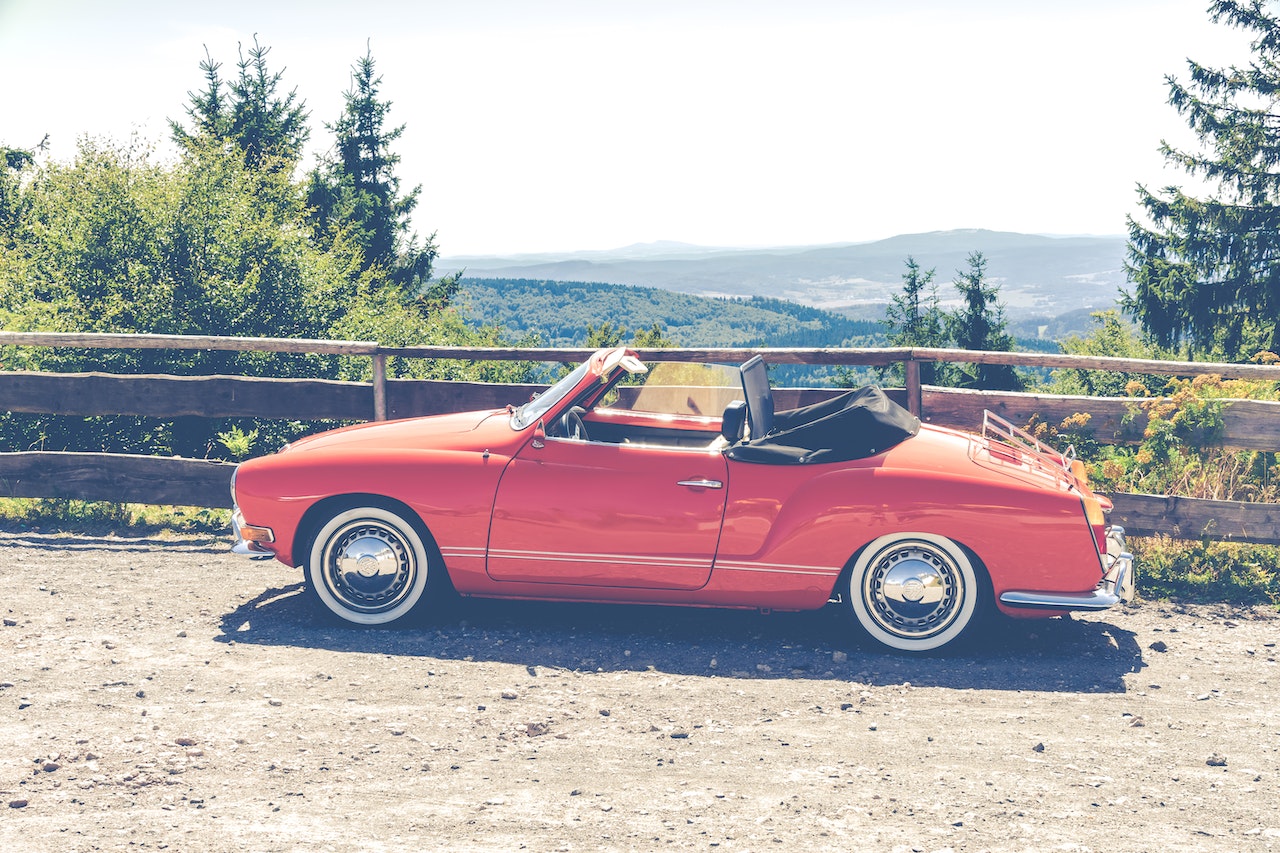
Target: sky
x,y
562,125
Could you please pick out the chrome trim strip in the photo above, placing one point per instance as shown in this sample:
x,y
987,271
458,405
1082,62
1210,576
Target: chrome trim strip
x,y
554,556
773,568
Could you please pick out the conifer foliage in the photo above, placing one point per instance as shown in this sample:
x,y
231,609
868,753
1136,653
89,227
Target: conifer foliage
x,y
248,112
1206,270
914,318
979,324
355,192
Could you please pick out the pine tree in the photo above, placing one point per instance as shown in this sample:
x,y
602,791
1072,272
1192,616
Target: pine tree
x,y
208,110
355,191
979,324
270,130
1206,271
914,318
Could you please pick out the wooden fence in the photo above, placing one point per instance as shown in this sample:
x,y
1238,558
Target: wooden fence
x,y
1250,425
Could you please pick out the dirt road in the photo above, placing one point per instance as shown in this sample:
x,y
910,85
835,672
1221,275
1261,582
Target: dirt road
x,y
166,695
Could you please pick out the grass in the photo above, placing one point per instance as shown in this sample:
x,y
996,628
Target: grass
x,y
1207,572
100,518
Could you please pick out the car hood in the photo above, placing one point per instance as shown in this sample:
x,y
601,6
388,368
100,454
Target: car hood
x,y
461,431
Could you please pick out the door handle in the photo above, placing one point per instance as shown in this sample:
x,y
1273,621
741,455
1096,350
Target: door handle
x,y
701,484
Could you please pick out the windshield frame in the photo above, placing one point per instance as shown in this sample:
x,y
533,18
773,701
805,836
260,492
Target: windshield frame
x,y
533,410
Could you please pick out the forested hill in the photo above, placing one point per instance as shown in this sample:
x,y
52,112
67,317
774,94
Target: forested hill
x,y
1037,275
559,313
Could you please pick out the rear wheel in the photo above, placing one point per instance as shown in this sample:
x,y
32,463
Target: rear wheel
x,y
369,565
914,591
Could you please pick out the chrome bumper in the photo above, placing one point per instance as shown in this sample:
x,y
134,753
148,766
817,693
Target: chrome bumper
x,y
248,547
1117,584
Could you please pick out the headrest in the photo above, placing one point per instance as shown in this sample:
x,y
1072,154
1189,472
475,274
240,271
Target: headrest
x,y
735,420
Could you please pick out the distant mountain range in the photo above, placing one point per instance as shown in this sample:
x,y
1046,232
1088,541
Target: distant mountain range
x,y
1040,278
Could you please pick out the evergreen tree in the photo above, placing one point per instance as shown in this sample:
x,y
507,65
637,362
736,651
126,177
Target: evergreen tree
x,y
355,191
269,130
979,324
914,319
1206,271
208,110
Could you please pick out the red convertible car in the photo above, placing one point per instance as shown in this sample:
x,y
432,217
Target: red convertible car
x,y
617,485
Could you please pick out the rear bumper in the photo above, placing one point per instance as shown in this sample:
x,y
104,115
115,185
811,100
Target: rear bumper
x,y
1116,586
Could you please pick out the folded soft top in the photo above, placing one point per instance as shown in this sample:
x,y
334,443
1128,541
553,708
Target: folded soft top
x,y
855,425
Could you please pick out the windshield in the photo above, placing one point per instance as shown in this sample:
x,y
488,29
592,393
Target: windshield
x,y
538,406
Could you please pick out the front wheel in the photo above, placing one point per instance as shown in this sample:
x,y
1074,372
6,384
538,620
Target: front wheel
x,y
914,591
368,565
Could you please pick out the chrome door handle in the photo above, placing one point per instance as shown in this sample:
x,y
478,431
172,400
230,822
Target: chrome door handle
x,y
701,484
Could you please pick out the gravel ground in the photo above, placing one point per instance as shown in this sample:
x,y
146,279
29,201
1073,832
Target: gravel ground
x,y
163,694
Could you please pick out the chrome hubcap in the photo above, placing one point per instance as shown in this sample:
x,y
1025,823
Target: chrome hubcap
x,y
369,566
913,589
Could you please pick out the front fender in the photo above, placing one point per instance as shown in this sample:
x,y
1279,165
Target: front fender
x,y
451,491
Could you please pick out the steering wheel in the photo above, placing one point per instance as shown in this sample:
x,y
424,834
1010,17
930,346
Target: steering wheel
x,y
572,426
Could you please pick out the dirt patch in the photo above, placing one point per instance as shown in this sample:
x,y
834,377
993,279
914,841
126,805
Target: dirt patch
x,y
167,694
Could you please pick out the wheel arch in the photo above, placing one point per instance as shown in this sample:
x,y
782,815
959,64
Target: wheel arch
x,y
319,512
984,604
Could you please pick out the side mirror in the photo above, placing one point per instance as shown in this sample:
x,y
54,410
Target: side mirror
x,y
539,436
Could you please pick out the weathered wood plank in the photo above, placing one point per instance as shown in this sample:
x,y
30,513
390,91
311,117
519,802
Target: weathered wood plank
x,y
1247,424
407,398
1192,518
163,396
119,478
875,356
85,340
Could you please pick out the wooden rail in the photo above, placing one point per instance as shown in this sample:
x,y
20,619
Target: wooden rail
x,y
1248,424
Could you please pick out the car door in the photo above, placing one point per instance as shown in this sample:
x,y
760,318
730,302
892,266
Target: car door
x,y
611,515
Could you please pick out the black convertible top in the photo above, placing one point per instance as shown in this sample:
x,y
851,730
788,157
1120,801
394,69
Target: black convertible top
x,y
855,425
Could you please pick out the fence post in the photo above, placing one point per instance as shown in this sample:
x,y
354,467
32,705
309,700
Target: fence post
x,y
914,395
379,387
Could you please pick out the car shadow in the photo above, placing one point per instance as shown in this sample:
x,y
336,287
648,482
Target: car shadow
x,y
1059,655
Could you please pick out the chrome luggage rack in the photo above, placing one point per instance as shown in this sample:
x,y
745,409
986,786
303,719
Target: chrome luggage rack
x,y
996,427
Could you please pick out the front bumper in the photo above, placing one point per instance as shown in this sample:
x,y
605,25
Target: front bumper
x,y
1116,586
249,539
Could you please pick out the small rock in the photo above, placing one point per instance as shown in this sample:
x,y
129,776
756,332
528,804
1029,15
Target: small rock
x,y
17,804
839,657
509,694
1137,723
1217,760
50,766
13,623
679,735
185,741
1159,646
537,729
604,712
1038,748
